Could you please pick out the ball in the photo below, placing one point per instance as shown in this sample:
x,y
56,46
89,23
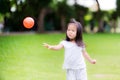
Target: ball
x,y
28,22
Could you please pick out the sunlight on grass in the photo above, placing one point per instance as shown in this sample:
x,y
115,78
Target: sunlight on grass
x,y
22,57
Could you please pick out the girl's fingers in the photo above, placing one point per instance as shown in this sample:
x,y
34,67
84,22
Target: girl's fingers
x,y
45,44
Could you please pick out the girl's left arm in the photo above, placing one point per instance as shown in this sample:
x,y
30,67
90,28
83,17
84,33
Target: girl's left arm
x,y
87,56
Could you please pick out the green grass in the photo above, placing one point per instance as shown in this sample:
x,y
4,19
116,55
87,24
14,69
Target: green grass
x,y
22,57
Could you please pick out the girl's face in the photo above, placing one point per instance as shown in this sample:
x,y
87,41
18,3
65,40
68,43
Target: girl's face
x,y
71,31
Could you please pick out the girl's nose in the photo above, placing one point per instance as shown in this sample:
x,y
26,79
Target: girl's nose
x,y
70,32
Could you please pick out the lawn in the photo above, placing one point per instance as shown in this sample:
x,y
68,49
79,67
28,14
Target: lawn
x,y
22,57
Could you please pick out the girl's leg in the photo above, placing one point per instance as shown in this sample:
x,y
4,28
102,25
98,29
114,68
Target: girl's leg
x,y
70,74
81,74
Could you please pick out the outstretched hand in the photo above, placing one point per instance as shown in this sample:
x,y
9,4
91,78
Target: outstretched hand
x,y
46,45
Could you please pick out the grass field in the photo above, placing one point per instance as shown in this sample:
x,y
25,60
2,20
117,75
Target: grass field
x,y
22,57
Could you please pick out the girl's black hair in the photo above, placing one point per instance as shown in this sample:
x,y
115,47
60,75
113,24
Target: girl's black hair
x,y
79,38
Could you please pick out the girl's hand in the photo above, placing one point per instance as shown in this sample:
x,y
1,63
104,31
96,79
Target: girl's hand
x,y
93,61
46,45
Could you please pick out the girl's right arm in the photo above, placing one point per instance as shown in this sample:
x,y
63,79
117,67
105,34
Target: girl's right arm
x,y
53,47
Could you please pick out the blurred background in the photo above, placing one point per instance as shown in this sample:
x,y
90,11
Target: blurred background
x,y
23,57
53,15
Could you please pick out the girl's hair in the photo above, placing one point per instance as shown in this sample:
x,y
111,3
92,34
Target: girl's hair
x,y
79,38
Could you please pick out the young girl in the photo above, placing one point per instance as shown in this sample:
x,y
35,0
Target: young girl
x,y
74,51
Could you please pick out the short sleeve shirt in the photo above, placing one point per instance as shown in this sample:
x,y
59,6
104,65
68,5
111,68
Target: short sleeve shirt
x,y
73,58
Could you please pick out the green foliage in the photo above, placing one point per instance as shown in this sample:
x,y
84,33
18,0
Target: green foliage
x,y
64,9
33,8
4,6
1,18
23,9
80,12
118,7
114,15
36,5
80,9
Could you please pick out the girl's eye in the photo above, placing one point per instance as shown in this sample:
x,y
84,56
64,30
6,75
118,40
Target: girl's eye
x,y
68,30
73,30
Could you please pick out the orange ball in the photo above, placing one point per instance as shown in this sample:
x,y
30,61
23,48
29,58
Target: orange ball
x,y
28,22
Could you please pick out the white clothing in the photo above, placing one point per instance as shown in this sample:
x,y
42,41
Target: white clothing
x,y
76,74
73,58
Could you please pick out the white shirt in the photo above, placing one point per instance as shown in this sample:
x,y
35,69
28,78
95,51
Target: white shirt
x,y
73,58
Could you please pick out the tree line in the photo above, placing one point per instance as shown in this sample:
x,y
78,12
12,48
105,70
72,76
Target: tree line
x,y
51,14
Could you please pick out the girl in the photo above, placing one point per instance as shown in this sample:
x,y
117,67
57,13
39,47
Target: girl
x,y
74,51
